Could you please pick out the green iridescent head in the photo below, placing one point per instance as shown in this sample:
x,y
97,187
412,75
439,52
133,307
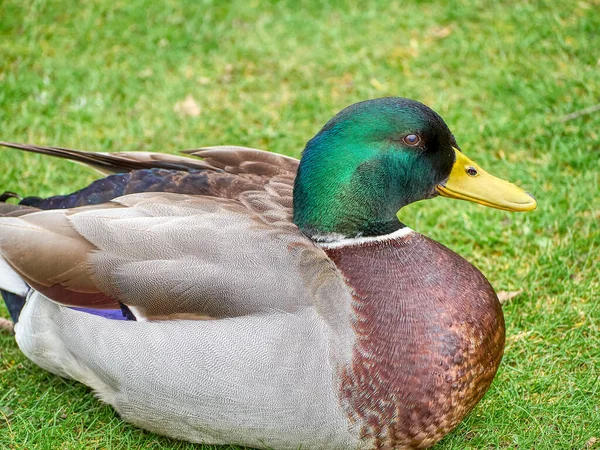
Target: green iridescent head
x,y
377,156
369,161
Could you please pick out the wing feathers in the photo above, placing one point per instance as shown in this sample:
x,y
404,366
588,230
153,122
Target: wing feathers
x,y
233,250
245,160
228,158
44,249
162,254
118,162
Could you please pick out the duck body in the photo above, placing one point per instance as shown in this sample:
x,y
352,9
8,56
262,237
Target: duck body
x,y
305,378
258,381
248,318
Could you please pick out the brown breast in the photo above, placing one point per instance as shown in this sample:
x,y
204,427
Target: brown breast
x,y
430,336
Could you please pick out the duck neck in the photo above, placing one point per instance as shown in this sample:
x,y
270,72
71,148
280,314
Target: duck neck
x,y
345,195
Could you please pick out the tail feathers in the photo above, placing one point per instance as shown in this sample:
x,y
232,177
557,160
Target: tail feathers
x,y
118,162
14,304
8,194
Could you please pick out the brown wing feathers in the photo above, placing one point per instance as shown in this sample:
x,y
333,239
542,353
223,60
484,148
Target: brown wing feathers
x,y
50,256
230,159
115,162
233,159
53,257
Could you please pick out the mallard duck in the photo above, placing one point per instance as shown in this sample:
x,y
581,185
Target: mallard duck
x,y
250,298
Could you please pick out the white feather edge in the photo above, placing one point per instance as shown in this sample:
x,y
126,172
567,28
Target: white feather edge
x,y
346,242
10,280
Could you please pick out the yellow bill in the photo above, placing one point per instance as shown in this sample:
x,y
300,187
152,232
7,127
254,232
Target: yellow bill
x,y
468,181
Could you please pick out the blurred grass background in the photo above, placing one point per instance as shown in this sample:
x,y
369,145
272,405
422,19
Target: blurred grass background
x,y
169,75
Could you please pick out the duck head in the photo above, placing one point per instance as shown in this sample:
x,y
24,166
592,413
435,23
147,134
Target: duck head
x,y
377,156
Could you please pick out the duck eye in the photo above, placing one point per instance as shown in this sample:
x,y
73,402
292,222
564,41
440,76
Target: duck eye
x,y
412,139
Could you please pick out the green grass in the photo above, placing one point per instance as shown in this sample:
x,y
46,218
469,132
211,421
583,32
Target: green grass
x,y
107,76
